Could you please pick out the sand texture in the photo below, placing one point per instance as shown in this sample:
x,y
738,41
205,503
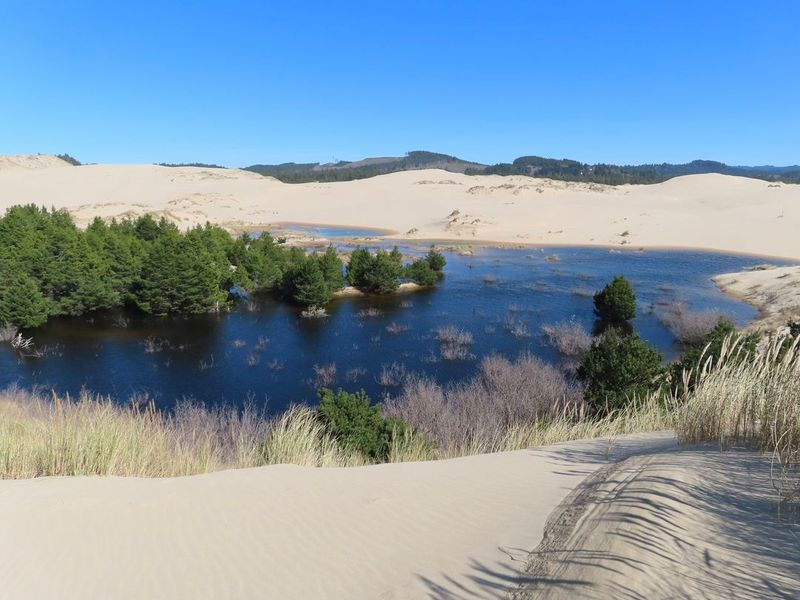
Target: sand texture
x,y
686,524
704,211
448,529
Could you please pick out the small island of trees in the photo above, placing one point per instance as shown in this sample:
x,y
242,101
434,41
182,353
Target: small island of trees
x,y
50,267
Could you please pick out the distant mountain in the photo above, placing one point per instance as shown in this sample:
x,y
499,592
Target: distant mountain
x,y
534,166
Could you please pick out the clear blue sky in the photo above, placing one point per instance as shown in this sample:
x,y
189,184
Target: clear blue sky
x,y
240,82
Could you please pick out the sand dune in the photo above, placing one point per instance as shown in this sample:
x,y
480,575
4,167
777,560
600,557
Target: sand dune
x,y
458,528
690,524
651,521
705,211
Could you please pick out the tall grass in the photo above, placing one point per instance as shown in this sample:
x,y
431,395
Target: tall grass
x,y
91,435
755,401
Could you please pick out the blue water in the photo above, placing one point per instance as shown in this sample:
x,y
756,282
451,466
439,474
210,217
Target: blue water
x,y
264,352
329,231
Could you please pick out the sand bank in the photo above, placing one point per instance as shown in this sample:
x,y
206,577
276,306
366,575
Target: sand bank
x,y
717,212
447,529
774,290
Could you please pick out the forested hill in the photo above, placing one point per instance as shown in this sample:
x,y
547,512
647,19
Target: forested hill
x,y
571,170
535,166
361,169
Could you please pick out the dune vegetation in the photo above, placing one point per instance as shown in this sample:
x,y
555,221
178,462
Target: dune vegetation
x,y
509,406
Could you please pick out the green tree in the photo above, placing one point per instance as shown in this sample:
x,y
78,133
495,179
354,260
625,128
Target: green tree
x,y
331,266
420,272
21,302
617,369
358,424
358,267
436,260
180,276
305,284
616,302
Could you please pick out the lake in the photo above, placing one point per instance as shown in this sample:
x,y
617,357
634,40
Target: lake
x,y
263,352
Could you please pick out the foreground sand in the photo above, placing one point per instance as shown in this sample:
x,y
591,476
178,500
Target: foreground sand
x,y
705,211
449,529
686,524
635,517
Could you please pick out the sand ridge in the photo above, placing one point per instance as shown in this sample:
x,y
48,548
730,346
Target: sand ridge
x,y
719,212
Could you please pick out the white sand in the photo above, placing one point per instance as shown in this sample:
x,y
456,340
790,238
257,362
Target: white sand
x,y
691,524
705,211
449,529
775,291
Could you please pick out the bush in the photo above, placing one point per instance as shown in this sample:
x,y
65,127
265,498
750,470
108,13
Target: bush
x,y
377,273
421,272
435,260
477,415
690,327
616,302
357,424
617,369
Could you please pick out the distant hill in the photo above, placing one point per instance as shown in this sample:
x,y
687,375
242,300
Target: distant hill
x,y
534,166
368,167
571,170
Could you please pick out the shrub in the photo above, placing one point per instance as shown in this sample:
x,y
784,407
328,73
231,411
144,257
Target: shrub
x,y
690,327
477,415
435,260
421,272
616,369
377,273
357,424
616,301
454,343
569,338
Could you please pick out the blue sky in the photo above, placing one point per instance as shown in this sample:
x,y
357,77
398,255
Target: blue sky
x,y
240,82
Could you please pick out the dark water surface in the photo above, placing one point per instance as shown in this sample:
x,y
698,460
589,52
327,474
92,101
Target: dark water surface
x,y
265,352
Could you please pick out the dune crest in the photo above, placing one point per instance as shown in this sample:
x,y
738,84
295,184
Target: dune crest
x,y
717,212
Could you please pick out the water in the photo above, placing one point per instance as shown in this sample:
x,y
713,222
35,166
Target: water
x,y
327,231
266,353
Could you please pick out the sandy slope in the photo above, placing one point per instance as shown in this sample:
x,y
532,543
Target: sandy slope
x,y
708,211
449,529
690,524
776,291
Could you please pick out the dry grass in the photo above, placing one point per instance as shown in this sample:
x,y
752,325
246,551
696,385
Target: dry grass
x,y
41,437
569,338
689,327
455,343
753,401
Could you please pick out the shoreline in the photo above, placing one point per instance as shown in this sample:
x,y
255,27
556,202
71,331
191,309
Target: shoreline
x,y
302,239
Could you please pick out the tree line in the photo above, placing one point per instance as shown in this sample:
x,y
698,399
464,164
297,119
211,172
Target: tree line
x,y
50,267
